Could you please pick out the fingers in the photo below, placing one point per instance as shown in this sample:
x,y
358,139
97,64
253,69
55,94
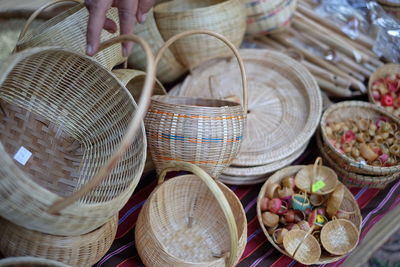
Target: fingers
x,y
143,7
97,17
110,26
127,11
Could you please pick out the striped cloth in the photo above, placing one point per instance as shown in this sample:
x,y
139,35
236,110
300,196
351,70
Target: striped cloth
x,y
374,205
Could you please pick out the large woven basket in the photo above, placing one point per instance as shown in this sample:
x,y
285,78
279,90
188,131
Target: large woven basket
x,y
351,179
352,110
68,30
205,132
191,220
225,17
79,122
82,250
30,262
169,69
348,204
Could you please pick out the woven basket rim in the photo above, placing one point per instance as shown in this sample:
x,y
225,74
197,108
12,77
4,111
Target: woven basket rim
x,y
350,224
160,8
389,3
357,104
29,260
7,66
162,99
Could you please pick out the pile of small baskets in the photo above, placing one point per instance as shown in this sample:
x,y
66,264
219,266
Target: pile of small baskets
x,y
374,170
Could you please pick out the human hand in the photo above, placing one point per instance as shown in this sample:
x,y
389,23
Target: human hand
x,y
129,12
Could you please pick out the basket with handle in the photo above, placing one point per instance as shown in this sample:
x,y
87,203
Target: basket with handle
x,y
82,250
68,30
81,136
205,132
348,204
225,17
191,220
30,262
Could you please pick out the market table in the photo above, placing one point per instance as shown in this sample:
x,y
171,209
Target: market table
x,y
374,204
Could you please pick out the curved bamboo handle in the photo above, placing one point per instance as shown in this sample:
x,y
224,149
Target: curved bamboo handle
x,y
219,196
38,11
317,164
302,241
133,126
223,39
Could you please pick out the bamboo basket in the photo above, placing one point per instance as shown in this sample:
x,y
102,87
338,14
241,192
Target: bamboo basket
x,y
225,17
82,250
205,132
191,220
30,262
350,110
348,204
79,122
169,69
381,72
68,30
258,7
272,20
351,179
391,7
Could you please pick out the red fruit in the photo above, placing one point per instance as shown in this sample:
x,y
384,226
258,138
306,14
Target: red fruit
x,y
387,101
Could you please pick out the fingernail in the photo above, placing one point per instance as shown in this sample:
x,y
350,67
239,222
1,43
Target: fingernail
x,y
126,52
89,50
143,18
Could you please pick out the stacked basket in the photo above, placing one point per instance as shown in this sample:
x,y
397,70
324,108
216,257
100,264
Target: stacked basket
x,y
284,109
361,142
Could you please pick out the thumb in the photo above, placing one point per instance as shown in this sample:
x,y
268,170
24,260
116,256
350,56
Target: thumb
x,y
143,7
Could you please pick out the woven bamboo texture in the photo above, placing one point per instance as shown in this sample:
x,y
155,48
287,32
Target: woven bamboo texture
x,y
258,7
205,132
68,30
83,250
308,252
30,262
351,179
79,122
391,7
271,20
348,204
285,102
225,17
191,220
169,69
352,110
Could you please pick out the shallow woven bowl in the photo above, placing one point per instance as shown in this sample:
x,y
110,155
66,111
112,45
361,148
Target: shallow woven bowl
x,y
348,204
68,30
309,250
350,110
225,17
82,250
30,262
351,179
169,69
183,222
381,72
72,115
339,236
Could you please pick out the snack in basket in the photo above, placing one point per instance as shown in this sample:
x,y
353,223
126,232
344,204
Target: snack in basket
x,y
386,93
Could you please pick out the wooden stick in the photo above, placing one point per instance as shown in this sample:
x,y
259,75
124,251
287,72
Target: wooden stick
x,y
332,89
318,71
271,42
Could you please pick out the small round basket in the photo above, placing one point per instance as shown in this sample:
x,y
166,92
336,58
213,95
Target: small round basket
x,y
225,17
302,246
82,250
65,123
348,204
356,109
191,220
339,236
68,30
30,262
382,72
311,174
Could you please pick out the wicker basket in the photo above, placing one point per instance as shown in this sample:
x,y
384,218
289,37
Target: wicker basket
x,y
77,120
83,250
348,204
272,20
68,30
225,17
30,262
191,220
381,72
205,132
258,7
350,110
391,7
351,179
169,69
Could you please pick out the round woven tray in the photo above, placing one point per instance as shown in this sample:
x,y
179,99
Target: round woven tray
x,y
351,110
348,204
285,102
30,262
